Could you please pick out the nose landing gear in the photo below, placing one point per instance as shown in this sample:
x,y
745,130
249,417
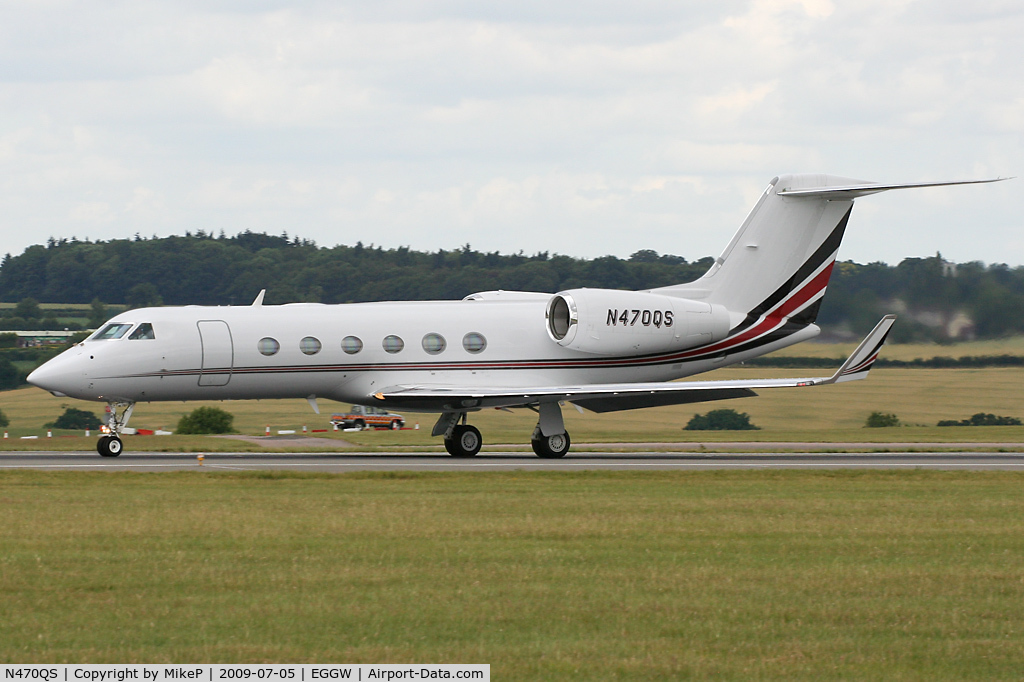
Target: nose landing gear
x,y
460,440
118,414
109,446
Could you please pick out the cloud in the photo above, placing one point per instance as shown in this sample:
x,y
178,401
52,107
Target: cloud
x,y
92,213
734,102
514,126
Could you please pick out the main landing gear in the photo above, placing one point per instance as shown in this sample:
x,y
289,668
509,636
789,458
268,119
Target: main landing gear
x,y
118,414
464,442
550,439
551,447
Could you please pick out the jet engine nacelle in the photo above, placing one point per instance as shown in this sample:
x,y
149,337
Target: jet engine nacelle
x,y
610,322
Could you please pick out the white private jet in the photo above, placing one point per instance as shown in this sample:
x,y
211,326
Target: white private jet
x,y
599,349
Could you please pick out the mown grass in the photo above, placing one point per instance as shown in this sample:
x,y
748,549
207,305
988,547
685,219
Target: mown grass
x,y
630,576
919,397
1013,345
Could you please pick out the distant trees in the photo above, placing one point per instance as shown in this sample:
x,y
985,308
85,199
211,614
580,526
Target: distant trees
x,y
143,295
937,300
4,421
74,418
28,309
203,269
27,315
9,377
97,313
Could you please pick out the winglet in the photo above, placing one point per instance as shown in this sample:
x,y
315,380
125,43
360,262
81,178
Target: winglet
x,y
862,359
259,298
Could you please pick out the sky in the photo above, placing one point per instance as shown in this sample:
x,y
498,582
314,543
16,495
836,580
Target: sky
x,y
580,128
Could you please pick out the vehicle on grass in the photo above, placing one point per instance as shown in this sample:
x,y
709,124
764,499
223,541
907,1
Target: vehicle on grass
x,y
365,417
600,349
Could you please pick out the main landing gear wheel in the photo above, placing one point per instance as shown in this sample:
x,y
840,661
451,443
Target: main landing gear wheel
x,y
109,446
465,441
551,447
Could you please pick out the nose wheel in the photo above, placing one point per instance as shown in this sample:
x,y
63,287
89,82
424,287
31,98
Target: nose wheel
x,y
118,414
109,446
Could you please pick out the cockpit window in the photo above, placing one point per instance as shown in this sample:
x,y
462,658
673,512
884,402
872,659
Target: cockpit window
x,y
111,331
143,331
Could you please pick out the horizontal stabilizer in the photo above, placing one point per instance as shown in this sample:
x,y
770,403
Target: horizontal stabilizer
x,y
614,397
852,191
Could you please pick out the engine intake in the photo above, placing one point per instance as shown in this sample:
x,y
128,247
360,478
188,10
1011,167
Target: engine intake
x,y
562,317
611,322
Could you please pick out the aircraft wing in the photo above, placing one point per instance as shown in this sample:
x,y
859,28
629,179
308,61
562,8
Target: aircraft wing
x,y
624,396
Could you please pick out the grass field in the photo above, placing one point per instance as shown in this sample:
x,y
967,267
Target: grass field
x,y
920,397
910,351
546,576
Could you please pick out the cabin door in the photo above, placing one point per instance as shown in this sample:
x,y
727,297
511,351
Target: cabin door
x,y
218,353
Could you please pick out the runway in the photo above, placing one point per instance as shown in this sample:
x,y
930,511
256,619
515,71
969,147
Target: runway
x,y
508,461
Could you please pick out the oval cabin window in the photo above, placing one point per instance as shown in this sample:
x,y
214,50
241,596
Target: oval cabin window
x,y
351,344
310,345
434,343
268,346
474,342
393,344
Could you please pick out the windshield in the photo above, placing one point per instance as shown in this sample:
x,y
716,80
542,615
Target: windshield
x,y
143,331
111,331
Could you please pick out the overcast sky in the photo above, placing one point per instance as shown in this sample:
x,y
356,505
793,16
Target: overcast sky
x,y
583,128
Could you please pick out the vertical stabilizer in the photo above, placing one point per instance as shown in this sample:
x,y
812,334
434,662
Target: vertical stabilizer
x,y
779,262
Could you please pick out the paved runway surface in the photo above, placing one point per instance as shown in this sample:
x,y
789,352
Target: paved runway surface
x,y
496,461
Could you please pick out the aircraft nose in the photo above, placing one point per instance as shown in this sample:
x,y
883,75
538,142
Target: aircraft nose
x,y
47,377
39,376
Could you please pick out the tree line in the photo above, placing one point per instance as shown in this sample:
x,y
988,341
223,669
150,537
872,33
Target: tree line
x,y
937,300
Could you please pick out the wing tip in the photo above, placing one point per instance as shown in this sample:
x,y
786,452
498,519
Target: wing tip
x,y
863,358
